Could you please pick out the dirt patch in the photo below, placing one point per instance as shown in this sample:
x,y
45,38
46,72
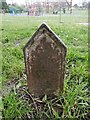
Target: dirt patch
x,y
45,103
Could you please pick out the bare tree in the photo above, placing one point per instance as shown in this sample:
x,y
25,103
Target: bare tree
x,y
69,5
27,5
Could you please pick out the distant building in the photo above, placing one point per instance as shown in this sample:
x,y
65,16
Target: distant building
x,y
48,6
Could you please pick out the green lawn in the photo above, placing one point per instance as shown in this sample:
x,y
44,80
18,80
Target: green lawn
x,y
16,31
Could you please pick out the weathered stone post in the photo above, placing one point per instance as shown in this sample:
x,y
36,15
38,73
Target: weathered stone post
x,y
44,56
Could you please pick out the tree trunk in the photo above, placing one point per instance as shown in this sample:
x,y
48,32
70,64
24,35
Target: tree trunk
x,y
69,5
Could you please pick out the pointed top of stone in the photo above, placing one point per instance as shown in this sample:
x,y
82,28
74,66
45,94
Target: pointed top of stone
x,y
44,28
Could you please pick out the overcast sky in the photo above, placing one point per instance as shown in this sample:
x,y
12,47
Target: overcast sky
x,y
79,2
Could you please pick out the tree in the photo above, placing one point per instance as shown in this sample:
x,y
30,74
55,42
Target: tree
x,y
4,6
69,5
84,4
89,5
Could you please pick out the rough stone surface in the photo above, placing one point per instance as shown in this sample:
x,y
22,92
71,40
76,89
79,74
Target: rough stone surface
x,y
44,56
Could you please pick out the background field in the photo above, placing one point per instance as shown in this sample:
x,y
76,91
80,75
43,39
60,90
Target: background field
x,y
16,31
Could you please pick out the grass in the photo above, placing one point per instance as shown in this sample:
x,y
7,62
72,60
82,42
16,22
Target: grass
x,y
18,103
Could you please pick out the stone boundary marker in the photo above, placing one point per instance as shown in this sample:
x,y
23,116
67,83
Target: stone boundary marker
x,y
44,56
